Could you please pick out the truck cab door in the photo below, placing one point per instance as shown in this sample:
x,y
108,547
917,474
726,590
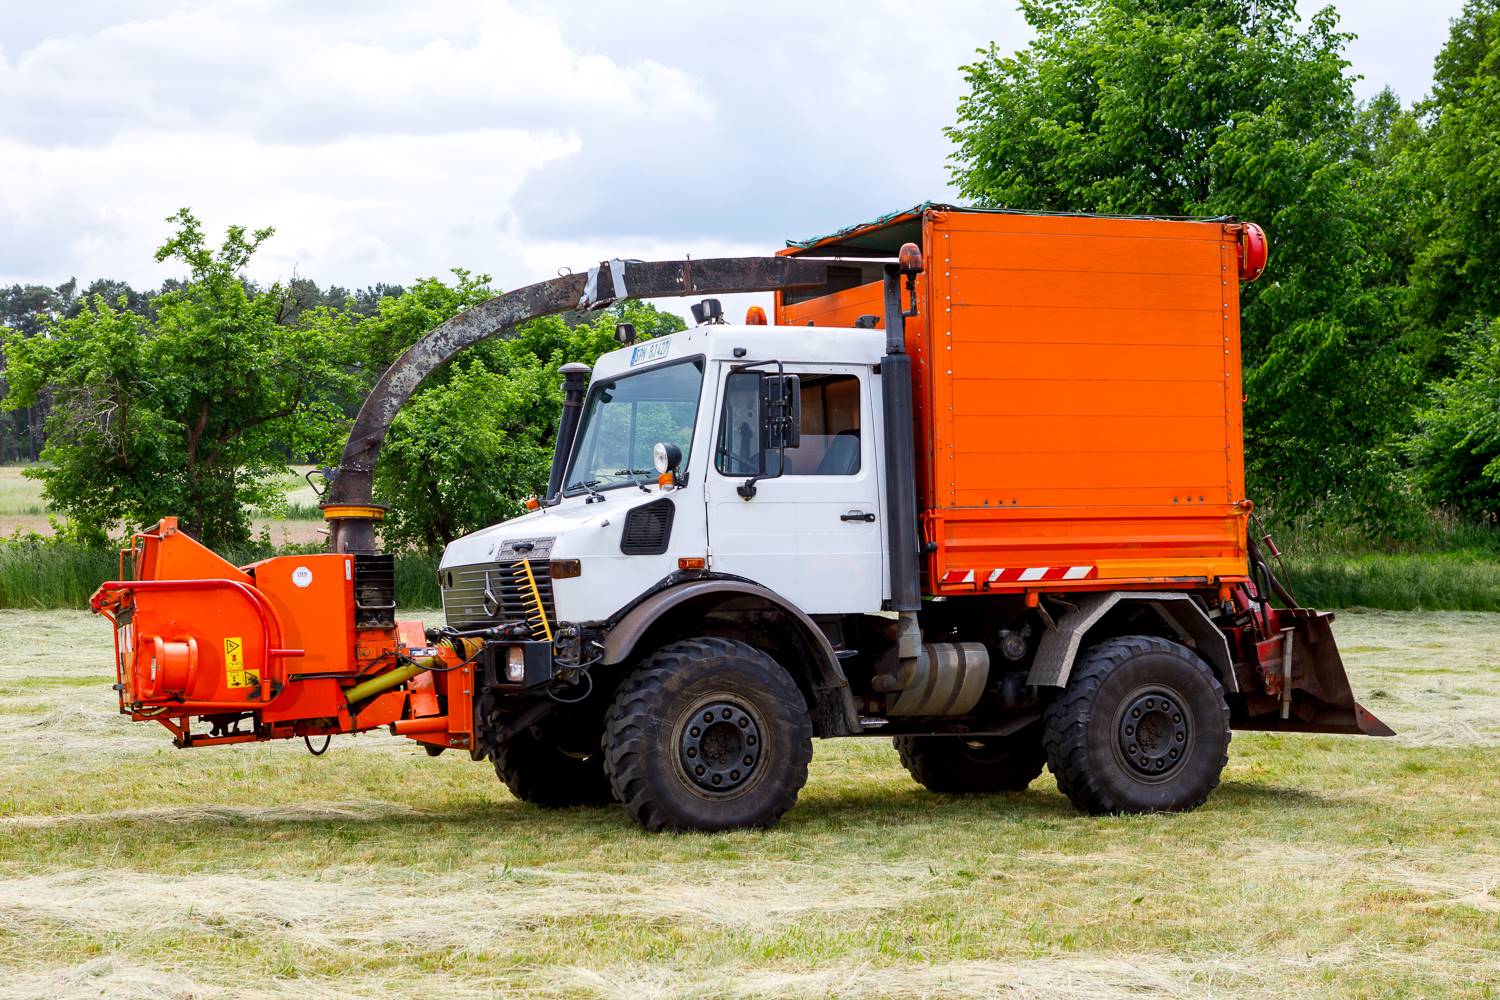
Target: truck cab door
x,y
812,529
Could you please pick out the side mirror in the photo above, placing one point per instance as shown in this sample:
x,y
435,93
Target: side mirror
x,y
781,410
780,426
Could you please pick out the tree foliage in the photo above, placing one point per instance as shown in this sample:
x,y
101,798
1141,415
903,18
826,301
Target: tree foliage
x,y
190,412
1381,218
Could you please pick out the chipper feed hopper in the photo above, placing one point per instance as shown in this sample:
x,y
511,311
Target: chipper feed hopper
x,y
978,486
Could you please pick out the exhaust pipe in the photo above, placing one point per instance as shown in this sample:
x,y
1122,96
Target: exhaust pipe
x,y
901,468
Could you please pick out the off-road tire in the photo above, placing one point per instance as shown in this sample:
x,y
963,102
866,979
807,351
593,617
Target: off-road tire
x,y
966,765
537,770
658,716
1088,730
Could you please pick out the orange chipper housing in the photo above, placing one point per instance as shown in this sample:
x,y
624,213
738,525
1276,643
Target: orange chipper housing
x,y
1077,392
290,646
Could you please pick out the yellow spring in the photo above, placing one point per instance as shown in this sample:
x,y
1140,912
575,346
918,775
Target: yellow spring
x,y
536,613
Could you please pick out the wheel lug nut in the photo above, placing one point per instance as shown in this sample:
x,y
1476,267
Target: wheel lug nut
x,y
750,740
692,751
1177,719
744,723
1135,713
698,769
708,716
695,731
1172,753
749,760
1129,731
726,713
718,779
734,776
1132,748
1179,737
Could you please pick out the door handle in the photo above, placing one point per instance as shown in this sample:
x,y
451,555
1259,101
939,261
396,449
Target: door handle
x,y
857,515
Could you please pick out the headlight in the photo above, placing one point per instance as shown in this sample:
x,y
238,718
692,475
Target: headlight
x,y
515,664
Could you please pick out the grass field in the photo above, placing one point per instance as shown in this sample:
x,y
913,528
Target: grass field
x,y
1323,866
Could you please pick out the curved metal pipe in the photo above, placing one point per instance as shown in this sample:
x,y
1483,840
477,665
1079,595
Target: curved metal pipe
x,y
611,281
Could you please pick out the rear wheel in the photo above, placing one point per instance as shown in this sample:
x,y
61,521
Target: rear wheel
x,y
538,770
962,765
708,734
1141,727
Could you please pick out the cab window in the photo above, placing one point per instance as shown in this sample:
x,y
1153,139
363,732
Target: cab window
x,y
830,426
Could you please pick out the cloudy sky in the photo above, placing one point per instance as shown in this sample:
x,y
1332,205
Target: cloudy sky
x,y
390,140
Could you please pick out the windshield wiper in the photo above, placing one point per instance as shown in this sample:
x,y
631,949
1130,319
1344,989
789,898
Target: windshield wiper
x,y
632,473
588,485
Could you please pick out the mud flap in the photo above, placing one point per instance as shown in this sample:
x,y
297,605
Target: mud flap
x,y
1320,700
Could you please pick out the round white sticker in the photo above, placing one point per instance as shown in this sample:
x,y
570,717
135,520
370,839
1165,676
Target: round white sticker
x,y
302,576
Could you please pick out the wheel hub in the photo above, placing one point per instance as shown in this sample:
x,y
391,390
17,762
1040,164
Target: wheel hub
x,y
719,746
1154,733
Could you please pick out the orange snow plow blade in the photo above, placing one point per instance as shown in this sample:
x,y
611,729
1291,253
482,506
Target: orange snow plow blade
x,y
303,645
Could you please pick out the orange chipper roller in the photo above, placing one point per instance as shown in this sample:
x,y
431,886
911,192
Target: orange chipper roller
x,y
304,645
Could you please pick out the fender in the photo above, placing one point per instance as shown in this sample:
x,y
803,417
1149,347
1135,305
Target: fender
x,y
821,670
1059,647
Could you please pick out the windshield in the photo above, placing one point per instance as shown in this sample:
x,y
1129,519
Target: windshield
x,y
625,417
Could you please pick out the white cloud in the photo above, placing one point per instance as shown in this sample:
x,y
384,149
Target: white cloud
x,y
388,140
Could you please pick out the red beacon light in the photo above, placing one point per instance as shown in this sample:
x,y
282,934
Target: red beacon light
x,y
755,316
1254,252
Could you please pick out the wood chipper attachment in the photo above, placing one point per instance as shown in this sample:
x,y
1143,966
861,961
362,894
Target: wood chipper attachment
x,y
301,645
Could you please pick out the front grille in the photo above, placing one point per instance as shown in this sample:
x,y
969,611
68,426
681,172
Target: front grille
x,y
499,593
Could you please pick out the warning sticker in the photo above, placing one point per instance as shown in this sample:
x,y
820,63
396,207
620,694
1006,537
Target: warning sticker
x,y
235,674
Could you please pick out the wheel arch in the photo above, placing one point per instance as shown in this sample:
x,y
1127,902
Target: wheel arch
x,y
1179,614
743,610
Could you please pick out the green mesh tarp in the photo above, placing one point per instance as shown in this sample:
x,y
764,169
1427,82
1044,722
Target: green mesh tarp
x,y
880,234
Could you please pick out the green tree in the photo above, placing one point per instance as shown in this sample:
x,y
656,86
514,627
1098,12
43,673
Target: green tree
x,y
1455,167
190,412
1456,445
1225,107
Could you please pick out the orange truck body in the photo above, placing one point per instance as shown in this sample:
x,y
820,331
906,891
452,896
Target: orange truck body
x,y
1077,392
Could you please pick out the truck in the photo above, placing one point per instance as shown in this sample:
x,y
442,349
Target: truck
x,y
976,486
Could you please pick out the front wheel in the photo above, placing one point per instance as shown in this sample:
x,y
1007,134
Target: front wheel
x,y
707,734
1141,727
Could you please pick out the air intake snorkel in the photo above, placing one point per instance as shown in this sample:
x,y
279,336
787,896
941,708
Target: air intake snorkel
x,y
575,384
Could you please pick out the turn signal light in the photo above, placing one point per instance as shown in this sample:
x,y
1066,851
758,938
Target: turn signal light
x,y
666,480
692,562
565,569
532,503
755,316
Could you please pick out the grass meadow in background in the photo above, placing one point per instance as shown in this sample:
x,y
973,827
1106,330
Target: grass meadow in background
x,y
1446,565
1324,866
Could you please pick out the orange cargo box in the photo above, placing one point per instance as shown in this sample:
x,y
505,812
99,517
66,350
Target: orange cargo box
x,y
1077,391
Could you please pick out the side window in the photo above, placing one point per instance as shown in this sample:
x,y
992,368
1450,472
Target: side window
x,y
738,449
830,428
830,443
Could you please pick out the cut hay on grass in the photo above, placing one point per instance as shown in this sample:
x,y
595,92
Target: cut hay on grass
x,y
1323,866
